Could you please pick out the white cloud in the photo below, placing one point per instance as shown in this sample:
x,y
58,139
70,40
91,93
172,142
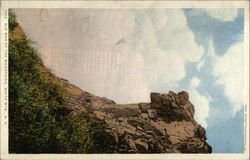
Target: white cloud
x,y
110,26
200,65
223,14
195,82
115,53
158,18
176,36
211,49
167,50
229,71
200,102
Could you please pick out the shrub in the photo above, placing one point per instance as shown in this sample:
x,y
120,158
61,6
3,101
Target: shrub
x,y
39,121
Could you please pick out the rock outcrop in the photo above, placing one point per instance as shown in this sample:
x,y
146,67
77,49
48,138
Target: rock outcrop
x,y
166,125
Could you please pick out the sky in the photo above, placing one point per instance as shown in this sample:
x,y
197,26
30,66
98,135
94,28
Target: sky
x,y
124,54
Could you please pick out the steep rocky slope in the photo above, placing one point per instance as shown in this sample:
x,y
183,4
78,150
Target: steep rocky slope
x,y
48,114
166,125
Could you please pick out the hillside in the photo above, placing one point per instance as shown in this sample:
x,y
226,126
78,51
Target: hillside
x,y
39,122
50,115
166,125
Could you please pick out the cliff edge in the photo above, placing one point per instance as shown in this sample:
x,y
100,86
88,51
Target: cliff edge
x,y
47,114
166,125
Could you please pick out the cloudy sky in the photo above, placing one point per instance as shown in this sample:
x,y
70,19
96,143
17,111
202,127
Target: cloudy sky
x,y
124,54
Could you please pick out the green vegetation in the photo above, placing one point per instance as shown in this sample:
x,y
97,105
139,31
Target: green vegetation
x,y
39,122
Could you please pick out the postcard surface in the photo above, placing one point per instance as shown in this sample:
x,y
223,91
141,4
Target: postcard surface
x,y
125,80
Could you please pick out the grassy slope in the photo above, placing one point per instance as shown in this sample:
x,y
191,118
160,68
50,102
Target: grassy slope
x,y
39,122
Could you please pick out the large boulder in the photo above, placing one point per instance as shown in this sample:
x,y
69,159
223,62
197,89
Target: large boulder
x,y
173,106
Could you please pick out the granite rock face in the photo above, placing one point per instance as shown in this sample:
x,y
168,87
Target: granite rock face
x,y
166,125
173,106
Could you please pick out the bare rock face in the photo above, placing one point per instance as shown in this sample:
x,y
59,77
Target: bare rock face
x,y
166,125
173,106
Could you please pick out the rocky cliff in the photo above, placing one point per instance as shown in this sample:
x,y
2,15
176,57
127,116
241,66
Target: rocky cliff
x,y
166,125
48,114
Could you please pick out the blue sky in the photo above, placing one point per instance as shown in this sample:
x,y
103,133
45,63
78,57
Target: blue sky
x,y
225,128
126,54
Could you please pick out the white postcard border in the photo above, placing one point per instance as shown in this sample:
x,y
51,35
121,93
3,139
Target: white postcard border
x,y
5,5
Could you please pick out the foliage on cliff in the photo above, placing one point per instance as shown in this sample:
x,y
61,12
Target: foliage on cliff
x,y
39,122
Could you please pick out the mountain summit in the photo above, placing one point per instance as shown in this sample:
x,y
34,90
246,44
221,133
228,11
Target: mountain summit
x,y
166,125
47,114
